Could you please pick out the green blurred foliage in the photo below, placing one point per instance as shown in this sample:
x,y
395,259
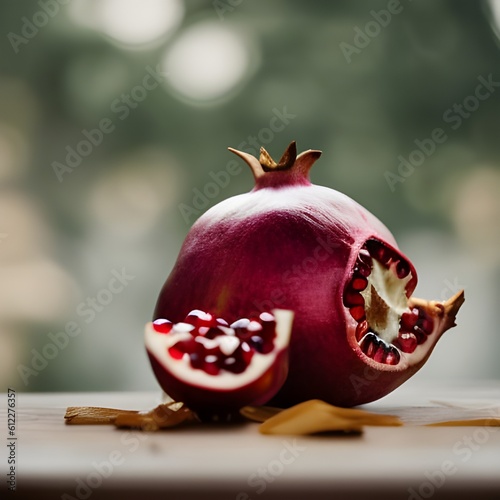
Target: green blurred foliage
x,y
363,114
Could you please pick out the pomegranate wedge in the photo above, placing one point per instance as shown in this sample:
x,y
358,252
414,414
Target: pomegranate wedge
x,y
213,366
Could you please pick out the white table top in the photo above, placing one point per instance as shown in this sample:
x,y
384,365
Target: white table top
x,y
239,463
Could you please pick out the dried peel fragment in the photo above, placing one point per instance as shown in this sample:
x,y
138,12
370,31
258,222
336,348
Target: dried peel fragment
x,y
316,416
92,415
163,416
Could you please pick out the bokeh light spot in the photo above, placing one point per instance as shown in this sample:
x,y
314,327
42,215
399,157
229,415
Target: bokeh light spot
x,y
207,62
495,15
131,22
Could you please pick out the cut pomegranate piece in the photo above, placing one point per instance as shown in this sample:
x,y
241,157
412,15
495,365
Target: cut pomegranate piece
x,y
211,366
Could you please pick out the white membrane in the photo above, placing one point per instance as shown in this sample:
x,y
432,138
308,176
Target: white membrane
x,y
384,315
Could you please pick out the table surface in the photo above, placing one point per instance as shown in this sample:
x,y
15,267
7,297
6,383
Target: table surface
x,y
413,462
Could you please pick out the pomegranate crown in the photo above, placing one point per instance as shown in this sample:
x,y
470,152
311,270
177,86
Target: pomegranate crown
x,y
290,169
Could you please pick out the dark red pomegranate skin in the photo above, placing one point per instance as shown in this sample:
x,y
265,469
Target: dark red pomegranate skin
x,y
293,245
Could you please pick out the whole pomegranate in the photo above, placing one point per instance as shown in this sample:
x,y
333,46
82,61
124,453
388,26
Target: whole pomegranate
x,y
357,332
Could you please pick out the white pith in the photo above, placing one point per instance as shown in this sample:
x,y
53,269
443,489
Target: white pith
x,y
391,290
158,343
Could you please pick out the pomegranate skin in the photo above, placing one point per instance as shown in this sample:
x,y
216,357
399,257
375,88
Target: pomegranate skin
x,y
293,245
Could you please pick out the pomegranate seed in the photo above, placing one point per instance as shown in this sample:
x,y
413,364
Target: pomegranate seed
x,y
196,313
241,323
186,346
211,368
353,298
268,333
245,352
235,366
408,321
210,365
378,251
361,329
359,283
365,258
371,348
212,332
258,343
369,344
175,352
196,360
254,326
363,263
392,357
380,354
419,334
358,313
200,318
162,325
426,324
265,316
362,269
402,269
243,334
407,342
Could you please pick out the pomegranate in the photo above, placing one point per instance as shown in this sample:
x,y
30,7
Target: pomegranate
x,y
215,367
358,333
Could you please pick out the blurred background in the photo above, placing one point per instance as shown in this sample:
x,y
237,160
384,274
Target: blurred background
x,y
116,114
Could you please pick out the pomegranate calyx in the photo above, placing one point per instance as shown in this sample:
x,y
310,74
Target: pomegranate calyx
x,y
291,170
286,162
